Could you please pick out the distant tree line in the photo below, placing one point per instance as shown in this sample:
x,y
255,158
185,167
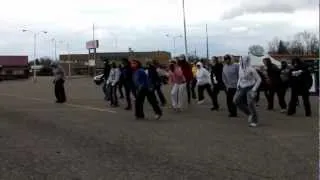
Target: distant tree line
x,y
46,63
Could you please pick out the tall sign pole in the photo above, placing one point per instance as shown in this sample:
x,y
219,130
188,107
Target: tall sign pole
x,y
207,41
185,32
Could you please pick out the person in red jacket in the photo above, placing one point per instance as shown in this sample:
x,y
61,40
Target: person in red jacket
x,y
187,72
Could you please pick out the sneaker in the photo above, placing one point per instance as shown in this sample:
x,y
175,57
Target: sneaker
x,y
283,111
253,125
157,116
250,118
201,102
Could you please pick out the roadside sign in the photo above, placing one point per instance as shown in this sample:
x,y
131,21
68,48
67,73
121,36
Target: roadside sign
x,y
92,62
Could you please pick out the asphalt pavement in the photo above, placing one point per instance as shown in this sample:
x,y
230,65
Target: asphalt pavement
x,y
85,139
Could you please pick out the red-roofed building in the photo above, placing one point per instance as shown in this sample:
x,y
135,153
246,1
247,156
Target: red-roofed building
x,y
12,67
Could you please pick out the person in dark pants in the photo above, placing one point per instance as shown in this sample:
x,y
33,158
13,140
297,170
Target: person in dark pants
x,y
187,72
155,81
121,81
284,76
113,81
300,81
105,87
263,85
230,77
194,81
59,78
275,82
128,82
216,78
143,90
203,83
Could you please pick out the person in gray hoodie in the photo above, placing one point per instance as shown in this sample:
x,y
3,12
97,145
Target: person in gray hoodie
x,y
59,78
230,75
247,86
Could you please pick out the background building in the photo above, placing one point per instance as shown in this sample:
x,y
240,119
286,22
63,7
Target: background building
x,y
12,67
78,63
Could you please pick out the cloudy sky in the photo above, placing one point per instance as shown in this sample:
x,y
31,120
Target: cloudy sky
x,y
233,25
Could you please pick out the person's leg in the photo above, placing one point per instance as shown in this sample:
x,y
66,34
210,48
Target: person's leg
x,y
200,93
120,87
258,96
56,91
151,97
140,96
115,96
181,91
63,92
188,88
281,98
215,94
161,95
193,87
240,99
174,96
252,107
293,102
208,88
231,106
128,96
271,99
306,103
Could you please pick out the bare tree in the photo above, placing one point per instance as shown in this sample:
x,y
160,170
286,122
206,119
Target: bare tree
x,y
256,50
273,45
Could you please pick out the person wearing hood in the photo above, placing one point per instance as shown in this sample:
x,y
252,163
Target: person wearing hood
x,y
275,83
128,82
178,82
59,79
203,83
300,81
230,76
216,78
143,89
247,86
113,80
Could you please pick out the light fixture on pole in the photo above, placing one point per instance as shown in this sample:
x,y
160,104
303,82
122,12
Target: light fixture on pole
x,y
185,32
35,34
174,42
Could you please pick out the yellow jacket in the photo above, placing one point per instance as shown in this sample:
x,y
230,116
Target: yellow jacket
x,y
194,70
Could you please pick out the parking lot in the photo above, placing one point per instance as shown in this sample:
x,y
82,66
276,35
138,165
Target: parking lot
x,y
85,139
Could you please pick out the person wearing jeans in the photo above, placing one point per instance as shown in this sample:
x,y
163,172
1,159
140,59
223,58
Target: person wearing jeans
x,y
230,76
178,82
113,80
203,83
248,84
143,90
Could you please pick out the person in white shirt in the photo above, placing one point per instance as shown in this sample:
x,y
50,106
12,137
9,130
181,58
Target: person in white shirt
x,y
203,83
248,84
113,81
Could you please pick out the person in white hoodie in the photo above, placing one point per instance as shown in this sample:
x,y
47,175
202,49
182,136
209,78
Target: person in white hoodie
x,y
113,81
247,86
203,83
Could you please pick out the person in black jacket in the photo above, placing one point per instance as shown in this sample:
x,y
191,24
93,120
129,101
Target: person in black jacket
x,y
128,82
275,83
216,78
155,81
300,81
120,84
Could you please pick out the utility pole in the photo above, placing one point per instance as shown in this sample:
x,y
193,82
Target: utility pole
x,y
185,32
207,41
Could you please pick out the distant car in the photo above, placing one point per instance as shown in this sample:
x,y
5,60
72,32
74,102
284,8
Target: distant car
x,y
99,79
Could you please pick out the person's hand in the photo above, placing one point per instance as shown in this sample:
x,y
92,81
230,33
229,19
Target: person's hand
x,y
253,93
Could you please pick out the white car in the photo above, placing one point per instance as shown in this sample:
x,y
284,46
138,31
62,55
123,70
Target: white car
x,y
98,80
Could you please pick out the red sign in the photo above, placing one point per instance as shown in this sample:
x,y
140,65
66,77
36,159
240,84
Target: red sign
x,y
94,44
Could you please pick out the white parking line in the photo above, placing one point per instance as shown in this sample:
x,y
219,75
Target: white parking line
x,y
66,104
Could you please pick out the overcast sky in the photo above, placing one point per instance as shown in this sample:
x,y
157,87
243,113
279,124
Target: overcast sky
x,y
233,25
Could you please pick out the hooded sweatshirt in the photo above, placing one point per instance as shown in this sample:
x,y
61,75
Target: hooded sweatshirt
x,y
177,77
58,73
248,76
202,75
230,75
114,76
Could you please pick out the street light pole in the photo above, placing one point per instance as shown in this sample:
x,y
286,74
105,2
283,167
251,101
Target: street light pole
x,y
34,50
207,41
185,32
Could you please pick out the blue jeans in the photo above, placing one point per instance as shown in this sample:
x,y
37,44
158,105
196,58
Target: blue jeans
x,y
245,101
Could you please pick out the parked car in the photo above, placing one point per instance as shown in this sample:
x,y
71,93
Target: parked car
x,y
99,79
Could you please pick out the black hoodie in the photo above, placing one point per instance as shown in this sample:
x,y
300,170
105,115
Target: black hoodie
x,y
300,77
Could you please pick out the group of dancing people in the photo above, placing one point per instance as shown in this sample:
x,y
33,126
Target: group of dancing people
x,y
241,82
